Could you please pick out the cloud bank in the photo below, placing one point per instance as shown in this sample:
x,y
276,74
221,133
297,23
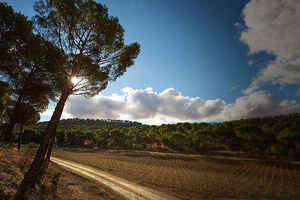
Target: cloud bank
x,y
170,106
258,104
273,26
145,104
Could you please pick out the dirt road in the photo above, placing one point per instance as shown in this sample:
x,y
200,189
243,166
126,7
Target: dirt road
x,y
129,190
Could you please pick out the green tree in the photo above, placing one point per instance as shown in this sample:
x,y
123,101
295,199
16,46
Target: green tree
x,y
179,141
96,54
290,136
27,62
5,92
25,115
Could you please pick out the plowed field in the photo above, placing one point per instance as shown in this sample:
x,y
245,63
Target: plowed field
x,y
198,178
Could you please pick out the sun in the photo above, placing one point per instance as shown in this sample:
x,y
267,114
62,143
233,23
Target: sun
x,y
75,80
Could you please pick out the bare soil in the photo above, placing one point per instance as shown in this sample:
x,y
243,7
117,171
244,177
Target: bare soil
x,y
195,177
125,188
14,164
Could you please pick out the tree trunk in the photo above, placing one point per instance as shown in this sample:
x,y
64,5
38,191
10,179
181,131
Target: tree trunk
x,y
8,134
20,136
9,137
46,161
39,163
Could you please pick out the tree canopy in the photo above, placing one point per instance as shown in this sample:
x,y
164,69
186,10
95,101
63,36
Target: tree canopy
x,y
5,92
27,64
92,40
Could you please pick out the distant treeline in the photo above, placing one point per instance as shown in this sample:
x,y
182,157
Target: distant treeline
x,y
269,135
103,123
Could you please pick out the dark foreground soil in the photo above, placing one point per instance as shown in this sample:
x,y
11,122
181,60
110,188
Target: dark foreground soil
x,y
13,165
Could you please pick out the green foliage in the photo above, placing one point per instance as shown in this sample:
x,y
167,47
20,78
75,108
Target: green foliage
x,y
26,59
251,135
91,39
5,99
27,64
26,114
91,123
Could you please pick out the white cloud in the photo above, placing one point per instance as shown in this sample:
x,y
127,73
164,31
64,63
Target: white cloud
x,y
170,106
101,107
46,115
273,26
278,72
145,104
258,104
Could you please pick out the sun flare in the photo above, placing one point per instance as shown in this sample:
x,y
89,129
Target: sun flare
x,y
75,80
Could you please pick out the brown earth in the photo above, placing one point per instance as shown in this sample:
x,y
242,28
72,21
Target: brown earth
x,y
196,178
70,186
127,189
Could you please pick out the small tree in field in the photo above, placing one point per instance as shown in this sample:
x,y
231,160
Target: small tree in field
x,y
93,43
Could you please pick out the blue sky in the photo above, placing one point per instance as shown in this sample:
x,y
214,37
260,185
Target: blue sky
x,y
201,49
185,46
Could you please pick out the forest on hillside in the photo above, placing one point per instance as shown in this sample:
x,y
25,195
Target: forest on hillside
x,y
95,123
268,135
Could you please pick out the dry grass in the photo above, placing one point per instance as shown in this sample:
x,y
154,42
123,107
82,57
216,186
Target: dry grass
x,y
14,164
196,178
